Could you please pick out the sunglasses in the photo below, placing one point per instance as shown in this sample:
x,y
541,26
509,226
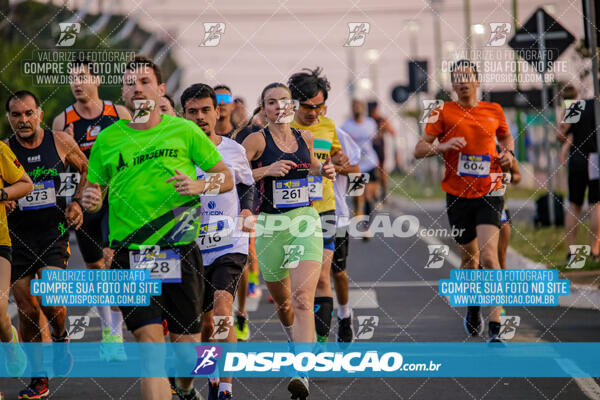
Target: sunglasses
x,y
311,107
224,98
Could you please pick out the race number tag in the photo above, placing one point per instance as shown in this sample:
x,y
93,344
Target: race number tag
x,y
163,264
43,196
290,193
477,165
215,236
315,187
593,168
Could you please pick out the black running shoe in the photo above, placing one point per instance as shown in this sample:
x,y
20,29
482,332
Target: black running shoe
x,y
298,388
37,389
473,321
345,331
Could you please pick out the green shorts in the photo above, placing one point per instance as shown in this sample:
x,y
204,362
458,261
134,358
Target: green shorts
x,y
283,240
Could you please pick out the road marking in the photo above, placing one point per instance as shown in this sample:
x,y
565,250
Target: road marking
x,y
588,386
361,298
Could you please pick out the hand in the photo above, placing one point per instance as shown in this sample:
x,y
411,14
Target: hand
x,y
186,186
280,168
247,220
10,205
505,158
328,170
91,197
341,159
455,143
74,215
70,130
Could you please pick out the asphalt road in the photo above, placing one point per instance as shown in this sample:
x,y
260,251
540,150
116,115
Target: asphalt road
x,y
388,281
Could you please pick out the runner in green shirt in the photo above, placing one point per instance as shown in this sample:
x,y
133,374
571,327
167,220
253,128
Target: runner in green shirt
x,y
154,208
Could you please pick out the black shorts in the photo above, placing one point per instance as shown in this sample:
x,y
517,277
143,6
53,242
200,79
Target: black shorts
x,y
223,274
373,174
465,214
27,261
328,221
338,264
92,237
180,303
578,181
6,252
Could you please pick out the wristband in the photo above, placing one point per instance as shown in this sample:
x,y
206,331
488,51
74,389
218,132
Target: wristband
x,y
321,170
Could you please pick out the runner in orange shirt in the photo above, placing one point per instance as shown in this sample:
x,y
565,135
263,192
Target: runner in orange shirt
x,y
466,131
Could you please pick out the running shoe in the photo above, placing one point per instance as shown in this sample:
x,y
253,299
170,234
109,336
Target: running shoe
x,y
254,291
298,388
322,339
242,329
116,348
225,396
495,338
37,389
345,331
213,390
104,348
473,321
193,395
63,358
15,359
502,311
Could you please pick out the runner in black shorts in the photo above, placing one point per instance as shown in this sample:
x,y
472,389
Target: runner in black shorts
x,y
157,205
39,226
582,150
224,247
473,172
84,120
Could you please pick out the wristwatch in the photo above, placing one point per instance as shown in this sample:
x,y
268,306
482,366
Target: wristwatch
x,y
3,195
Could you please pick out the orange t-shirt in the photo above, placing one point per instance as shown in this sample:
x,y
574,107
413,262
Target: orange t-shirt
x,y
479,125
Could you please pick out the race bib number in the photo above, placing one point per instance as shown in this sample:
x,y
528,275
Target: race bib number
x,y
163,264
315,187
476,165
214,236
290,193
593,169
43,196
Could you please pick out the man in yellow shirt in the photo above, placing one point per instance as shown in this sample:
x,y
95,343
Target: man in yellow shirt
x,y
19,185
311,89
